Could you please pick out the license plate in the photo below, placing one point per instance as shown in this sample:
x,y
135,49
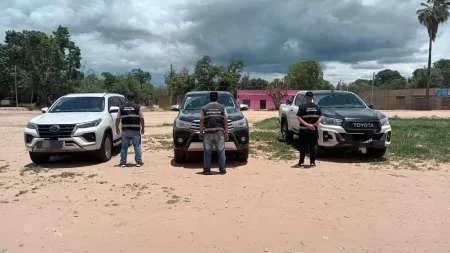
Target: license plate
x,y
52,144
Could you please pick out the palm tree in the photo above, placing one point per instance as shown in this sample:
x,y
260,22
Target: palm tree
x,y
433,13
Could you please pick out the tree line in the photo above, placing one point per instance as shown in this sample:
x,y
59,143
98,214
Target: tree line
x,y
40,64
37,65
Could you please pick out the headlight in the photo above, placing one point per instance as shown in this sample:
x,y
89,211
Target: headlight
x,y
331,121
32,126
384,121
239,123
90,124
182,124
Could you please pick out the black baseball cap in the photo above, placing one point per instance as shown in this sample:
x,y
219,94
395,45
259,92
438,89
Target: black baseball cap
x,y
309,94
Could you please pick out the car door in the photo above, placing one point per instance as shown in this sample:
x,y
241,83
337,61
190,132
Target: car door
x,y
114,101
299,99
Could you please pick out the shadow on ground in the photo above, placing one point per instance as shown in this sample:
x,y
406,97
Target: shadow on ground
x,y
195,161
339,155
64,161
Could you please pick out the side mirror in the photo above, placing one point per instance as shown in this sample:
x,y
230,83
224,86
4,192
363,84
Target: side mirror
x,y
371,107
175,108
243,107
113,109
44,110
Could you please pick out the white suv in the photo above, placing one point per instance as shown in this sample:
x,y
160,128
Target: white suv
x,y
82,122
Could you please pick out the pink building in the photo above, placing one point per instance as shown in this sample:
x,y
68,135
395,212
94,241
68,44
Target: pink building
x,y
260,100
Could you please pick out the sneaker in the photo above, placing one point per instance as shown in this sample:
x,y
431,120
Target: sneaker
x,y
123,165
223,172
139,164
206,172
312,164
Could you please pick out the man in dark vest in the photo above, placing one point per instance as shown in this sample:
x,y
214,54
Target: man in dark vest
x,y
214,131
309,116
132,119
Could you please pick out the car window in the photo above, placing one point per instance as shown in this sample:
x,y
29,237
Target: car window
x,y
78,104
110,102
300,99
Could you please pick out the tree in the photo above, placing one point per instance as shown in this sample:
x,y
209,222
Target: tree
x,y
419,78
433,13
277,90
306,75
390,79
443,65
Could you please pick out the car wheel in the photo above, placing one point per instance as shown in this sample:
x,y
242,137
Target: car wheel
x,y
105,152
243,156
39,158
285,133
179,156
376,152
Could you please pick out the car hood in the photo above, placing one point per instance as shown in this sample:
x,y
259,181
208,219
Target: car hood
x,y
352,113
66,117
190,116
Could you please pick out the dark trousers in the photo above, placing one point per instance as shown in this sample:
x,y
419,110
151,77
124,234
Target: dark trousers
x,y
308,141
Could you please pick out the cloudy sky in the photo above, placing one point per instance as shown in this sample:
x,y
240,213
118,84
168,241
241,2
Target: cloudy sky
x,y
351,38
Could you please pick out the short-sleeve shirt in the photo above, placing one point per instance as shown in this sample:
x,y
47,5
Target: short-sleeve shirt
x,y
310,113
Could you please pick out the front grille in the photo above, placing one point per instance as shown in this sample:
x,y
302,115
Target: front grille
x,y
360,137
196,125
362,126
55,131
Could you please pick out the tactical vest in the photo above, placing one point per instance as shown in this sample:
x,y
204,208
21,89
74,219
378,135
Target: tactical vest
x,y
130,118
310,113
214,114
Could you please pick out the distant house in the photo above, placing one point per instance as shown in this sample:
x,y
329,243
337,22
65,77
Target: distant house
x,y
260,100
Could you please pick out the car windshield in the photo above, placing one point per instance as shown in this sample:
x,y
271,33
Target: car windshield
x,y
339,100
195,102
79,104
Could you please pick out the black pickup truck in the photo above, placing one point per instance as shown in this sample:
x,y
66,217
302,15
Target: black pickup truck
x,y
186,125
348,122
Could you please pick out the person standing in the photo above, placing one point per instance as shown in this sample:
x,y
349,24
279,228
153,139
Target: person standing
x,y
132,119
309,116
214,131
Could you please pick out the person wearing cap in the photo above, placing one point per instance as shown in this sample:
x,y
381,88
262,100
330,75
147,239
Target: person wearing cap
x,y
214,132
309,116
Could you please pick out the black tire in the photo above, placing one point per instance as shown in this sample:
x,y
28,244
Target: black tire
x,y
376,152
243,156
179,156
105,152
39,158
286,135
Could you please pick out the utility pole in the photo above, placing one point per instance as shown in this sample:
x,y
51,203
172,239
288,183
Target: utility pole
x,y
15,84
373,81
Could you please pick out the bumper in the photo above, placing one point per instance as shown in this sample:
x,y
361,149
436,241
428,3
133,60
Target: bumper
x,y
83,140
337,137
188,140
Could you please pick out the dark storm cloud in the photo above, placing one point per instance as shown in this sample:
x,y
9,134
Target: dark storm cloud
x,y
282,32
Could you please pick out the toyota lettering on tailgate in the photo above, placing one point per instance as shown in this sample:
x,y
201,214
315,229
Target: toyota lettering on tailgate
x,y
363,125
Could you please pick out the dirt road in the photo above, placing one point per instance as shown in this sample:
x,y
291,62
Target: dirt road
x,y
262,206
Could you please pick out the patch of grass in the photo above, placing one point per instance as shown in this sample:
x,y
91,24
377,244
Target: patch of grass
x,y
268,124
421,139
67,175
157,142
267,142
164,124
172,201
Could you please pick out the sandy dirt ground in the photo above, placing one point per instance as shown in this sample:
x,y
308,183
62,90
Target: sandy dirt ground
x,y
77,205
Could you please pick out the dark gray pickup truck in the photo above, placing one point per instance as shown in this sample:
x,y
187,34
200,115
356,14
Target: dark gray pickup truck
x,y
186,125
